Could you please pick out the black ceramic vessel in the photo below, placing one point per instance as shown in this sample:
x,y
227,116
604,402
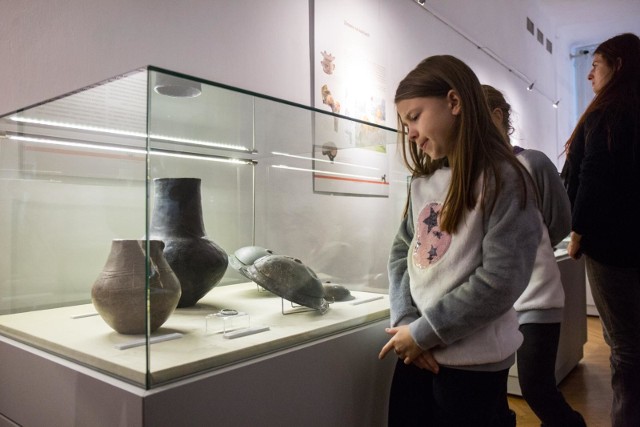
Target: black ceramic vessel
x,y
198,262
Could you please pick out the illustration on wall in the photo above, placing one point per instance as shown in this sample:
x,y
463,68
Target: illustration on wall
x,y
350,77
327,62
328,99
330,150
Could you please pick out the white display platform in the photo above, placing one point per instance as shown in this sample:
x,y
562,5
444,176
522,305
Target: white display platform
x,y
91,342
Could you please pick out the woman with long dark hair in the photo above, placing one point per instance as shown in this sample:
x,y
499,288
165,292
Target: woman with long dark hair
x,y
602,175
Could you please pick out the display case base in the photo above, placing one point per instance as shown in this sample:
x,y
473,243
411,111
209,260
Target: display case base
x,y
336,381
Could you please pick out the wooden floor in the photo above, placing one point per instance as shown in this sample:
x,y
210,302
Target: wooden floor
x,y
586,388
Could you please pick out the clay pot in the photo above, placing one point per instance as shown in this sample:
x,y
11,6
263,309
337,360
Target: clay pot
x,y
119,293
198,262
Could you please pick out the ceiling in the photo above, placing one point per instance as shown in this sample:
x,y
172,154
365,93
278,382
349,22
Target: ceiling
x,y
585,22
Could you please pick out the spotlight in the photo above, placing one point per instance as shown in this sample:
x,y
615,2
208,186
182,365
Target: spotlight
x,y
177,87
421,2
555,104
530,87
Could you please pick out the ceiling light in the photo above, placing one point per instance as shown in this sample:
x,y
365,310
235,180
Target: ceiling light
x,y
123,149
177,87
277,153
121,132
323,172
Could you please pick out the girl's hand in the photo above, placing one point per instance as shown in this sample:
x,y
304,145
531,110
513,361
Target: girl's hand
x,y
407,350
427,361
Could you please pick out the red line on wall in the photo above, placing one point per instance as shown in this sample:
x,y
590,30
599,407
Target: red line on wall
x,y
339,178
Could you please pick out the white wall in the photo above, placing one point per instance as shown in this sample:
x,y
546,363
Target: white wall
x,y
51,47
498,28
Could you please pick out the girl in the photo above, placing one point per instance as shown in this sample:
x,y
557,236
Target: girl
x,y
453,281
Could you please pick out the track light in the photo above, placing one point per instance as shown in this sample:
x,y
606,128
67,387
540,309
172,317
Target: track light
x,y
555,104
421,2
530,87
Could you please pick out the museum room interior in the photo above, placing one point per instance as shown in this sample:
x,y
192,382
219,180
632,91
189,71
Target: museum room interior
x,y
198,200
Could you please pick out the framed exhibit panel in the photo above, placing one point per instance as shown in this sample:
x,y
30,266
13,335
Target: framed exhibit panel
x,y
350,67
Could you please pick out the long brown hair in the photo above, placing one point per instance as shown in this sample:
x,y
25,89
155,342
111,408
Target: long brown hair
x,y
478,146
496,99
621,94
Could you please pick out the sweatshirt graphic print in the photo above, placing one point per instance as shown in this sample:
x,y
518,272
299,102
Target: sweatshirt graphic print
x,y
431,242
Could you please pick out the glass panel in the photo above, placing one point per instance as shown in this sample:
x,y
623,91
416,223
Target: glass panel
x,y
72,180
342,192
189,172
208,137
198,117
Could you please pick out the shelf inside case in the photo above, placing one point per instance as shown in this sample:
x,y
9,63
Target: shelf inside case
x,y
190,347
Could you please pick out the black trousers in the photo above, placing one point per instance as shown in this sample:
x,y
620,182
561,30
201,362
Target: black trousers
x,y
537,376
451,398
616,292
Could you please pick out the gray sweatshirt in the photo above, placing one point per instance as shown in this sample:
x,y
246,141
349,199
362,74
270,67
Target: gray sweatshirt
x,y
543,299
456,292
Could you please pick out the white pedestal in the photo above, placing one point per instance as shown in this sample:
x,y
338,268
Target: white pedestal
x,y
334,381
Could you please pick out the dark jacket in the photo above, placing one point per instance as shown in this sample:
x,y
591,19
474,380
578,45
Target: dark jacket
x,y
602,176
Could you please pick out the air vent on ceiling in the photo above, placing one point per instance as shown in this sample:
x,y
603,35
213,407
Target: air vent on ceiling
x,y
539,35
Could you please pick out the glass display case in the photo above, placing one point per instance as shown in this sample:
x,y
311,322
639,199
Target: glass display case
x,y
125,208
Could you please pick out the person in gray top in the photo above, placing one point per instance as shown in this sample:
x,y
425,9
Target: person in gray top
x,y
540,307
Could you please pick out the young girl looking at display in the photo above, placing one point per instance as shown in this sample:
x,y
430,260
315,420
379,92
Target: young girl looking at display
x,y
540,307
462,256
